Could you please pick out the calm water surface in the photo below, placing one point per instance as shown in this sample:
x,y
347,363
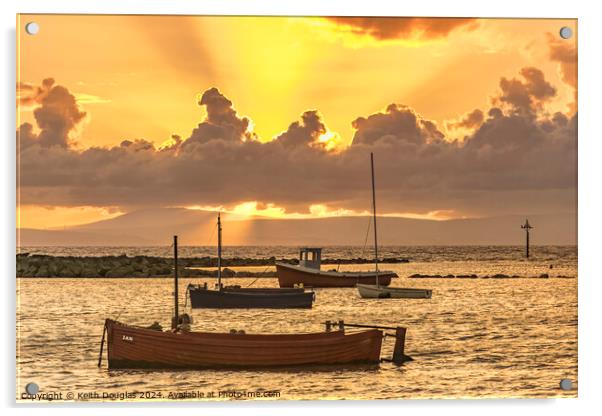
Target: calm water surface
x,y
474,338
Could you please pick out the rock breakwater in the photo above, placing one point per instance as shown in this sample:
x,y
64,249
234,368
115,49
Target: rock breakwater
x,y
146,266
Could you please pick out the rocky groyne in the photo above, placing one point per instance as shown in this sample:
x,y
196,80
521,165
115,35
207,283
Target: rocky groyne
x,y
36,265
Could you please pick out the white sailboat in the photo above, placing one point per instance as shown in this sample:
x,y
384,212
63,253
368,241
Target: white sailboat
x,y
383,292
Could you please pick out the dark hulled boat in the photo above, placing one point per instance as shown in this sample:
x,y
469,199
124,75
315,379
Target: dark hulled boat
x,y
309,274
239,298
201,297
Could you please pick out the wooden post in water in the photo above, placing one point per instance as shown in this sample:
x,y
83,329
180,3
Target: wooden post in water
x,y
526,227
174,322
398,350
374,215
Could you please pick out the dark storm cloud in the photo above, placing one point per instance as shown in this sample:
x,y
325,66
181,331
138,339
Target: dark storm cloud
x,y
304,133
510,164
398,124
222,122
471,120
28,94
565,53
526,95
56,115
515,159
403,27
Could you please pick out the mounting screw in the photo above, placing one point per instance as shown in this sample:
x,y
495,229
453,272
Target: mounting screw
x,y
32,389
566,32
566,384
32,28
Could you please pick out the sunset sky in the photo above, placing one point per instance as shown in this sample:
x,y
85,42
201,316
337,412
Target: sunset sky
x,y
278,116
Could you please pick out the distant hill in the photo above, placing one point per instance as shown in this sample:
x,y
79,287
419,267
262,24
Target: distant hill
x,y
156,226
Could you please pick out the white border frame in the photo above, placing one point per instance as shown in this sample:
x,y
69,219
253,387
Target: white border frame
x,y
590,209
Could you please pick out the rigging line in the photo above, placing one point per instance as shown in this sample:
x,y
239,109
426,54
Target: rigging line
x,y
365,241
249,285
212,234
120,312
366,238
264,270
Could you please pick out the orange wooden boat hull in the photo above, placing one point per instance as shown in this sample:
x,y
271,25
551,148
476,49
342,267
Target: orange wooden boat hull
x,y
135,347
289,276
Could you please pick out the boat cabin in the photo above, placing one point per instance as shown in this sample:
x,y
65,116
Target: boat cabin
x,y
310,257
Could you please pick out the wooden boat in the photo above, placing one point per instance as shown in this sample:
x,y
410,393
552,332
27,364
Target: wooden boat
x,y
136,347
380,289
373,291
238,298
290,275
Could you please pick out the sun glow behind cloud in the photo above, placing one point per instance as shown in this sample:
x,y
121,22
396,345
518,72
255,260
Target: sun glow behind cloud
x,y
254,209
331,141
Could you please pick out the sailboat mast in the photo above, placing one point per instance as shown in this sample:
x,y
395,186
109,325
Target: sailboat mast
x,y
374,215
219,252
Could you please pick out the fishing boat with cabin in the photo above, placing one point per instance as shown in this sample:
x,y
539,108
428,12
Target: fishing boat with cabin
x,y
235,297
308,273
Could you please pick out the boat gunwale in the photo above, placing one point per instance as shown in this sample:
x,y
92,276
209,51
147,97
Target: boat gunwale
x,y
218,335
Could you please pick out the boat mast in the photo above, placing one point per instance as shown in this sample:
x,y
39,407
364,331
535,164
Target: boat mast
x,y
174,323
219,252
374,215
